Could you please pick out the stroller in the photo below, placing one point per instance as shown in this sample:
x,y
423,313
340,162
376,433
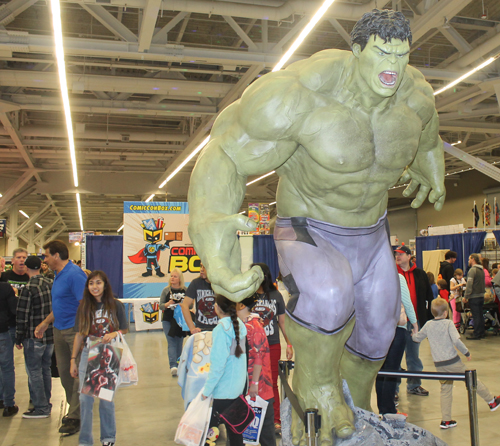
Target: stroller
x,y
490,315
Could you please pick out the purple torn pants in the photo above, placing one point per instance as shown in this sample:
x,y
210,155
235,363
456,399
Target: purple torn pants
x,y
334,273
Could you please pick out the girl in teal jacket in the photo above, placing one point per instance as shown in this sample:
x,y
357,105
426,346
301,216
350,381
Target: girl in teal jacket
x,y
228,363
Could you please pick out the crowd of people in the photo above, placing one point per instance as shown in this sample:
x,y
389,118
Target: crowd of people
x,y
55,307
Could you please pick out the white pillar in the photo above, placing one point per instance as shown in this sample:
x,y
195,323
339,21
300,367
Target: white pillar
x,y
12,241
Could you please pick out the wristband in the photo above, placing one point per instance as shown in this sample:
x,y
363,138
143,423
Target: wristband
x,y
289,346
73,357
255,382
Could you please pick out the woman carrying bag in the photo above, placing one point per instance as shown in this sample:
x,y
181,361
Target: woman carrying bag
x,y
99,315
228,368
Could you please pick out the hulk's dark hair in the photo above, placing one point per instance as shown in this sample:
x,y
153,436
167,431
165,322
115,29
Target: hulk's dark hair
x,y
385,23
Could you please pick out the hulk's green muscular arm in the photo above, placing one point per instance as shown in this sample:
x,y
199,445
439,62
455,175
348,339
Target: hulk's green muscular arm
x,y
427,169
250,137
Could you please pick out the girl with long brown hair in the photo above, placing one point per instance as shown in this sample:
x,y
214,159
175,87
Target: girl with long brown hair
x,y
99,315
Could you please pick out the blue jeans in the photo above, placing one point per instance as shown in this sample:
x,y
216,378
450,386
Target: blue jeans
x,y
413,362
37,357
8,376
174,345
106,412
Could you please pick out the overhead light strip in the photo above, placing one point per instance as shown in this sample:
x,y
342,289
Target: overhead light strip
x,y
61,66
24,214
150,198
305,32
308,28
466,75
120,228
261,178
79,210
189,158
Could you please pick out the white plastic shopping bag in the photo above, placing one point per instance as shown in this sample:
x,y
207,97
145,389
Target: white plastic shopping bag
x,y
193,427
128,375
251,435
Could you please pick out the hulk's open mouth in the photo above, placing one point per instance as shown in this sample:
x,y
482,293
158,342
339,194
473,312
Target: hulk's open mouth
x,y
388,78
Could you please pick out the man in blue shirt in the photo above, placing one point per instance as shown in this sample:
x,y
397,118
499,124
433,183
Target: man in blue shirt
x,y
67,291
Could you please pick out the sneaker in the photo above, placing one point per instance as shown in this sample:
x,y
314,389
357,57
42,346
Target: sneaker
x,y
495,404
277,428
35,414
396,403
402,413
420,391
447,424
72,426
173,371
108,443
9,411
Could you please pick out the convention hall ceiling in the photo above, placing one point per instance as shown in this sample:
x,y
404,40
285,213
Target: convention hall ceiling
x,y
147,78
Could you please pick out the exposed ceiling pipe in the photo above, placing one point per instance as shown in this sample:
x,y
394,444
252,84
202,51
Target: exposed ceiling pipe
x,y
82,144
60,132
345,11
85,82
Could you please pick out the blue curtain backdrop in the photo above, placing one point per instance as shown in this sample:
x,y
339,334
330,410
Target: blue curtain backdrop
x,y
429,243
473,243
264,251
497,236
453,242
105,252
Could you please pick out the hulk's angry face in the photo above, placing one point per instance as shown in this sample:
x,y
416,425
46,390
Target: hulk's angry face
x,y
382,65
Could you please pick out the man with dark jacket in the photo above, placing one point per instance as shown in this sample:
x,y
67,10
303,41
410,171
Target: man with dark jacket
x,y
446,268
421,298
474,294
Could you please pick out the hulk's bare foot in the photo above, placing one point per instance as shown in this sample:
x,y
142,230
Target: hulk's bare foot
x,y
317,382
360,375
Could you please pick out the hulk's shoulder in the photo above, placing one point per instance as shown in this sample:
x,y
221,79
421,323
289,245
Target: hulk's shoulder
x,y
418,94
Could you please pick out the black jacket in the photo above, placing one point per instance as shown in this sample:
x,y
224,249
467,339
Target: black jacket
x,y
447,270
8,306
423,291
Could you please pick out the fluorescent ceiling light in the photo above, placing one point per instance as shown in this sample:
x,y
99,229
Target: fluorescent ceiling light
x,y
61,66
24,213
455,143
242,212
39,225
274,202
120,228
189,158
79,210
1,195
308,28
150,198
260,178
466,75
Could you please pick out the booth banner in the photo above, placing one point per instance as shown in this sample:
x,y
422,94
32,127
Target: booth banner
x,y
155,241
3,228
147,316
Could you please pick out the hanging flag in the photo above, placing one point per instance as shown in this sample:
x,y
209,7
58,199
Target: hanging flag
x,y
486,210
476,215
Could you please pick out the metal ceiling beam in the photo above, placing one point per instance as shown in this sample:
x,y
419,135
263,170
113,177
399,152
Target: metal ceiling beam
x,y
17,138
10,193
32,220
340,29
110,22
436,16
161,36
46,229
478,164
456,98
470,126
483,111
171,87
478,52
456,39
242,34
12,9
149,17
299,26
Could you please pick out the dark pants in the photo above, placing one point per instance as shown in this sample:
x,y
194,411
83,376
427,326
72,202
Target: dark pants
x,y
275,353
386,386
268,434
218,407
476,308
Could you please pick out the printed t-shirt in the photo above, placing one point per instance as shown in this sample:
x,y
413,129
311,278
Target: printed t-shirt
x,y
259,354
16,280
103,323
67,291
269,310
201,291
175,294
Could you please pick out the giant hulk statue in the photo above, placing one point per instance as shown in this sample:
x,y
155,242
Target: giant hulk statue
x,y
339,128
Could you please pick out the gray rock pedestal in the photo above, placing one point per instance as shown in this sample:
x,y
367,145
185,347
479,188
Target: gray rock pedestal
x,y
371,430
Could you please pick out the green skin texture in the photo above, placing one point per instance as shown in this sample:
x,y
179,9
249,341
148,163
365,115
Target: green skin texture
x,y
338,138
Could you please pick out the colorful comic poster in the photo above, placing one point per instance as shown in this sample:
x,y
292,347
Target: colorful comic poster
x,y
155,241
3,228
147,315
103,368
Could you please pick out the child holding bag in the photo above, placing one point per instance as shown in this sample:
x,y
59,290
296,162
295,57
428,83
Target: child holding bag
x,y
228,364
259,366
103,316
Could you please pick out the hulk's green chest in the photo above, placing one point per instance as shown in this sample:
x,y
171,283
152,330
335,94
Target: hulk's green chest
x,y
346,139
